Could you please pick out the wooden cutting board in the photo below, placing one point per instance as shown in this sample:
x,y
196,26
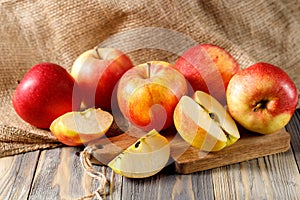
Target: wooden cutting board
x,y
187,159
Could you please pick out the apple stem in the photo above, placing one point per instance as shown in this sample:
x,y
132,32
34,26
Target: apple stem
x,y
96,49
259,105
148,69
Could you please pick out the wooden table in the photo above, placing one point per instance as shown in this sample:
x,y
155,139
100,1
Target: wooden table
x,y
57,174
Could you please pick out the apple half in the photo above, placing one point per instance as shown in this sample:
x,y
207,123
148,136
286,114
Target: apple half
x,y
204,123
77,128
146,157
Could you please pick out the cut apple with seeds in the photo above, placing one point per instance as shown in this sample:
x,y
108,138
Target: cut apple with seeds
x,y
77,128
146,157
204,123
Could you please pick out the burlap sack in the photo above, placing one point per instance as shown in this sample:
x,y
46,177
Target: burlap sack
x,y
59,31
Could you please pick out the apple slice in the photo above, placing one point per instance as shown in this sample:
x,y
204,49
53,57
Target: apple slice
x,y
77,128
204,123
145,158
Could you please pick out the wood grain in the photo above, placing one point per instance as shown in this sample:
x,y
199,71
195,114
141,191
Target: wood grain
x,y
16,175
250,146
270,177
59,175
294,128
169,186
188,159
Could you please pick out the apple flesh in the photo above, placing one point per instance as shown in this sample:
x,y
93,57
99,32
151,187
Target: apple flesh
x,y
262,98
78,128
146,157
45,93
148,93
208,68
97,72
204,123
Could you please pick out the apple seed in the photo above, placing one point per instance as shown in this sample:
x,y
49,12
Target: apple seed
x,y
137,144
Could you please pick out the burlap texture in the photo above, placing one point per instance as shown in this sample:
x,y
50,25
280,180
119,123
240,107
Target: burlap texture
x,y
59,31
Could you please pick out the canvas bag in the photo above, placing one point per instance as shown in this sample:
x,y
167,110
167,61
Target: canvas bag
x,y
59,31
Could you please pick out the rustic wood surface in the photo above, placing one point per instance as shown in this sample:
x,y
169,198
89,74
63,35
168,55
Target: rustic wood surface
x,y
187,159
57,174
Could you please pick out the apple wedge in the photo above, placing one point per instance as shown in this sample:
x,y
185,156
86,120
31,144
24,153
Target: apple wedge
x,y
146,157
77,128
204,123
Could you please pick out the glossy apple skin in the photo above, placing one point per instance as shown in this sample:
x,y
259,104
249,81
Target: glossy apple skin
x,y
45,93
262,98
97,72
148,102
208,68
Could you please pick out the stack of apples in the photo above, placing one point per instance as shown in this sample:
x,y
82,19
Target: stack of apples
x,y
205,95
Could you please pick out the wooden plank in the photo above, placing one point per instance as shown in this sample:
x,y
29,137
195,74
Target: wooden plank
x,y
16,175
270,177
59,175
189,159
294,128
250,146
166,185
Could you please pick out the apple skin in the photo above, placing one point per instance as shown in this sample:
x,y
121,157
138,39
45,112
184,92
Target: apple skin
x,y
194,122
45,93
148,100
208,68
71,128
262,98
146,157
97,72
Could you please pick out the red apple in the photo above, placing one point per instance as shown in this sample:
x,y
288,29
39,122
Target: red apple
x,y
97,71
45,93
208,68
148,94
262,98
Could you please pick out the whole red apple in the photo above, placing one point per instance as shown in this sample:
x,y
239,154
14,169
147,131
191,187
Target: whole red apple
x,y
45,93
148,94
208,68
97,72
262,98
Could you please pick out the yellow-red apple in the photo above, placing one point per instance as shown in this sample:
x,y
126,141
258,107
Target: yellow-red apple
x,y
148,93
45,93
78,128
97,72
262,98
208,68
204,123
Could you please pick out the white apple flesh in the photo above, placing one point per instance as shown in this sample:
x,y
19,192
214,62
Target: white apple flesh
x,y
204,123
146,157
78,128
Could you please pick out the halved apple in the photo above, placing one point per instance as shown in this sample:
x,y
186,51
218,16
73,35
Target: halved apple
x,y
146,157
204,123
77,128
